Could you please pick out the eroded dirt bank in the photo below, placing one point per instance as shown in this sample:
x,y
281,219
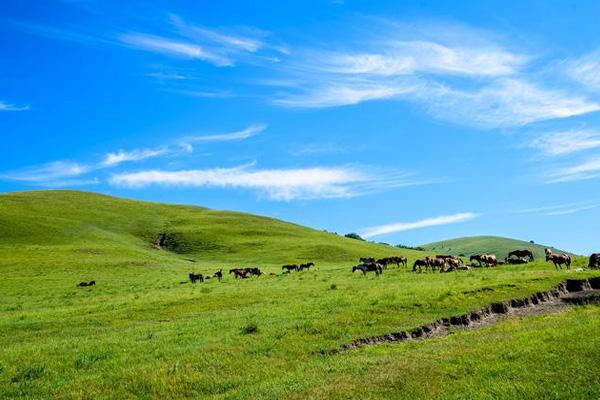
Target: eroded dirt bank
x,y
569,292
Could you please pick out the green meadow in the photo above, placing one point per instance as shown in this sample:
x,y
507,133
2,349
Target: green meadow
x,y
144,331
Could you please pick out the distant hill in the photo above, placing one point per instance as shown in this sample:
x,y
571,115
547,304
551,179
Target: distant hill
x,y
77,225
500,246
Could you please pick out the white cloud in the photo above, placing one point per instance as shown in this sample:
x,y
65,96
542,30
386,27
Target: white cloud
x,y
172,47
559,209
585,70
411,57
275,184
250,131
589,169
11,107
114,159
566,142
424,223
48,173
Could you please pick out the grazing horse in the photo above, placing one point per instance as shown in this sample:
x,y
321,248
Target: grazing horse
x,y
90,283
401,260
489,260
558,259
218,275
521,254
289,267
476,257
195,277
435,263
420,263
239,273
384,262
254,271
364,268
594,261
306,266
508,260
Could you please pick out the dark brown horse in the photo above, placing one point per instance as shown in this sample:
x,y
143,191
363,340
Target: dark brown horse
x,y
436,263
367,267
195,277
514,261
521,254
594,261
218,275
289,267
401,260
366,260
475,257
255,271
559,259
489,260
239,273
307,265
420,263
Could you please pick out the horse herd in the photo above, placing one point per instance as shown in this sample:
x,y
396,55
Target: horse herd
x,y
441,263
448,263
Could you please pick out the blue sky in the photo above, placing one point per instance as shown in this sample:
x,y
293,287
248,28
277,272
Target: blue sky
x,y
407,123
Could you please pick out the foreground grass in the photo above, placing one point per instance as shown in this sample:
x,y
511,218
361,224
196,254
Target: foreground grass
x,y
142,333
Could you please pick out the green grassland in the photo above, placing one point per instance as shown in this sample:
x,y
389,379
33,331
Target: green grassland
x,y
500,246
145,332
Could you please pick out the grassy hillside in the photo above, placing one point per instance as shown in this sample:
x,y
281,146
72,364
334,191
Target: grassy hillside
x,y
145,332
88,226
500,246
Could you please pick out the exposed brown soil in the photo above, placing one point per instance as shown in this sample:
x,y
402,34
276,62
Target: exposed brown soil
x,y
569,292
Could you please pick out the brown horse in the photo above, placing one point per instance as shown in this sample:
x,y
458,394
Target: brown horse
x,y
255,271
195,277
559,259
401,260
594,261
521,254
239,273
436,263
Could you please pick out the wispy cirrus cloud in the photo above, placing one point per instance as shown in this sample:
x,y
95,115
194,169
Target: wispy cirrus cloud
x,y
275,184
121,156
584,170
187,142
584,70
565,142
65,172
560,209
11,107
424,223
457,74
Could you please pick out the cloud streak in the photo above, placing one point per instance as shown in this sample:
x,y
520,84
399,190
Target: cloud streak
x,y
11,107
424,223
274,184
566,142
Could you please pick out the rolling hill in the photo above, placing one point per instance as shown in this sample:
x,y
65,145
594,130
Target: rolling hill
x,y
91,225
500,246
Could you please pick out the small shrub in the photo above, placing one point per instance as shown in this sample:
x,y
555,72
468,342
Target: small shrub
x,y
333,286
249,329
353,235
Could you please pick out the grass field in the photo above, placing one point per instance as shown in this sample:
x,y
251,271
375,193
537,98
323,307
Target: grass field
x,y
144,332
500,246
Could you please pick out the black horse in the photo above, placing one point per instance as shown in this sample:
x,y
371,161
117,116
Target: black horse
x,y
594,261
289,267
218,275
302,267
90,283
364,268
521,254
195,277
420,264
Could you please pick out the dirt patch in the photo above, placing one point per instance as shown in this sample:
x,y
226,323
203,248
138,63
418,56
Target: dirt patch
x,y
569,292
